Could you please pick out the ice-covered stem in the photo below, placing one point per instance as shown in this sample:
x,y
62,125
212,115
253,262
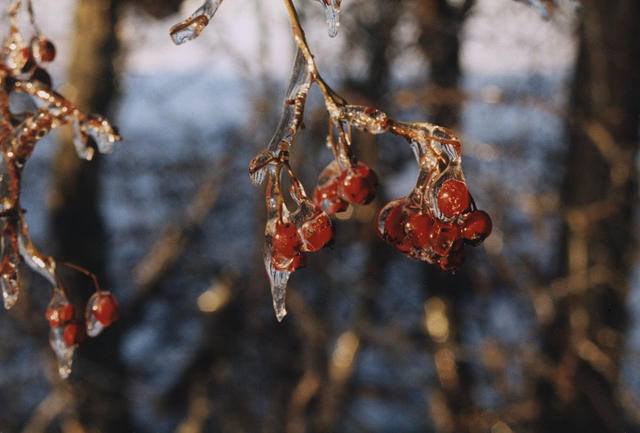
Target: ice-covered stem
x,y
191,27
332,99
21,72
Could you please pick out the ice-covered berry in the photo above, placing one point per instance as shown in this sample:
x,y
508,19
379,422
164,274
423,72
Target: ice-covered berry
x,y
286,240
453,198
73,333
282,262
359,184
418,228
443,237
477,227
316,232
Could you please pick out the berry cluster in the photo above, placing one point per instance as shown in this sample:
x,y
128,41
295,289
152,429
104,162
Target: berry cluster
x,y
431,224
420,235
290,242
338,187
67,331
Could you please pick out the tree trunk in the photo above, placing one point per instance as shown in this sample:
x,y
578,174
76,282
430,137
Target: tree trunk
x,y
584,342
77,224
452,406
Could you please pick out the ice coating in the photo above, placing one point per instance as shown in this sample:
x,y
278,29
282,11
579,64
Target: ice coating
x,y
64,352
290,121
191,27
9,280
10,286
80,142
58,309
94,326
296,96
42,264
101,131
258,167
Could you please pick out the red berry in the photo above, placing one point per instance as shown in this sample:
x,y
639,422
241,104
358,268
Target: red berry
x,y
105,309
282,262
327,198
43,49
59,316
443,237
73,333
453,198
326,193
316,232
418,228
390,224
286,240
358,185
477,226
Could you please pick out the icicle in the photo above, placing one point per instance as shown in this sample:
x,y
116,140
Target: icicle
x,y
191,27
64,352
278,281
332,13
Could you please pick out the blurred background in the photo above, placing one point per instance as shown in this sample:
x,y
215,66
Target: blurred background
x,y
538,332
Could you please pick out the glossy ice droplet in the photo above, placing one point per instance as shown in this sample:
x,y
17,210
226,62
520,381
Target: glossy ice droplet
x,y
332,13
191,27
64,352
102,133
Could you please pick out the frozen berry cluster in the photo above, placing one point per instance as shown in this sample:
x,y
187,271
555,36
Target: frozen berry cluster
x,y
67,331
421,235
338,187
290,242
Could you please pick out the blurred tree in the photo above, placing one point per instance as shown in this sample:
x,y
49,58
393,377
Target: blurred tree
x,y
584,342
76,222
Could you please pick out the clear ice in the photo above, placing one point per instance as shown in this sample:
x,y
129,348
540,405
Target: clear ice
x,y
278,281
64,352
291,120
191,27
94,327
80,142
